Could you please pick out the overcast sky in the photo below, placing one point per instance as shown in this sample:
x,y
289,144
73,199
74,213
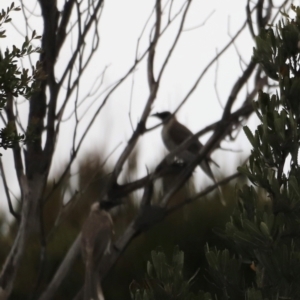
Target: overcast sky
x,y
120,26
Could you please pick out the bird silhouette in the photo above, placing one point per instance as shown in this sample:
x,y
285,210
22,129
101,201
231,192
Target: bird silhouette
x,y
96,238
174,134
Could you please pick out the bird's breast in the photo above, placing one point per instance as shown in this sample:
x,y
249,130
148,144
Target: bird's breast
x,y
167,139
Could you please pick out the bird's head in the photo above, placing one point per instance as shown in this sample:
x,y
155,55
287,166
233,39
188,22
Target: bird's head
x,y
165,115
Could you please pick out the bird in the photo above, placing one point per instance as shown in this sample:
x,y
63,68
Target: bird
x,y
174,134
96,238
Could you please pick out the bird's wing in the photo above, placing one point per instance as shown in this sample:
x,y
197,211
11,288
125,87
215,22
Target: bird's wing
x,y
104,237
180,133
97,234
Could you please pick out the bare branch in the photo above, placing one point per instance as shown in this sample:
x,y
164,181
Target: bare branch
x,y
202,193
63,270
208,67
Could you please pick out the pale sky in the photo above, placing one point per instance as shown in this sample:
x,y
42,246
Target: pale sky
x,y
120,26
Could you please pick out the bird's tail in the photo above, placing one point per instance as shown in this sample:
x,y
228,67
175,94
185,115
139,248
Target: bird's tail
x,y
206,168
221,196
92,284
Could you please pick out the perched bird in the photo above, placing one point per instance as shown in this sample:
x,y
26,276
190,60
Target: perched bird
x,y
96,237
174,134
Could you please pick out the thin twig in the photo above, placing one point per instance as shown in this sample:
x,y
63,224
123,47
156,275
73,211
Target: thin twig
x,y
10,206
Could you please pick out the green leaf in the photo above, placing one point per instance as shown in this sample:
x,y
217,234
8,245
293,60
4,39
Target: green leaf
x,y
294,186
250,136
264,229
212,259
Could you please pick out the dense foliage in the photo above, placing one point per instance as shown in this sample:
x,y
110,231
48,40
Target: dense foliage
x,y
263,233
15,81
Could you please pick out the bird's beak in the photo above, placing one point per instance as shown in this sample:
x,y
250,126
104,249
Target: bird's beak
x,y
154,115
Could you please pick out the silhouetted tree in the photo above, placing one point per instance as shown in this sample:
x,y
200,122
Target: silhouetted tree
x,y
75,24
